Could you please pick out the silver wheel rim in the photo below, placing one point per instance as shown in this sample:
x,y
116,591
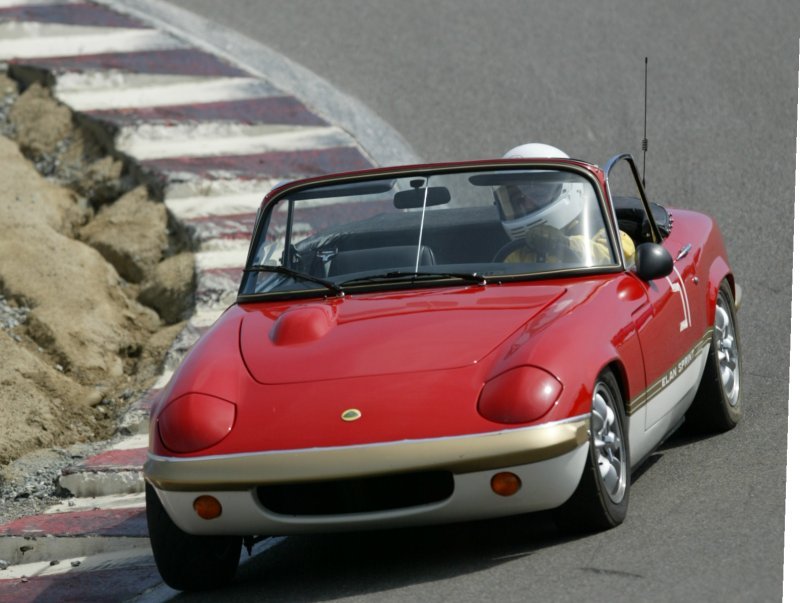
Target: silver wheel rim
x,y
727,352
609,443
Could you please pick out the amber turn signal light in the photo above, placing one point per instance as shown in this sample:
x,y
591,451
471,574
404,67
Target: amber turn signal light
x,y
207,507
506,483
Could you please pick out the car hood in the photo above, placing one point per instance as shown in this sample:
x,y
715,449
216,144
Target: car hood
x,y
380,334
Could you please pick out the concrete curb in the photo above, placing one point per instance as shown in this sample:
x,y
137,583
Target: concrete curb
x,y
129,67
382,142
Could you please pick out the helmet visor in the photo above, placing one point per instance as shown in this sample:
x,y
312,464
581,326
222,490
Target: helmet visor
x,y
518,200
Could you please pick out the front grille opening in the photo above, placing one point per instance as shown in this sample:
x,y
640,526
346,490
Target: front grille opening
x,y
359,495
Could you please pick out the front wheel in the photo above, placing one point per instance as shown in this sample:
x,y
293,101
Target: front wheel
x,y
601,499
185,561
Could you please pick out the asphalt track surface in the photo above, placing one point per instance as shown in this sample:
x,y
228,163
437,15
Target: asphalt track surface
x,y
470,79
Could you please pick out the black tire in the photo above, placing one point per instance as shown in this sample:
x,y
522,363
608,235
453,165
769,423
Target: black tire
x,y
717,407
188,562
601,500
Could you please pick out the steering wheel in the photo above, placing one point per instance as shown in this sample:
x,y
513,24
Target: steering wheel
x,y
507,249
568,254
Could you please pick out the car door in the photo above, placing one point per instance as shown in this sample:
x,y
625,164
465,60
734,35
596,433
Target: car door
x,y
671,325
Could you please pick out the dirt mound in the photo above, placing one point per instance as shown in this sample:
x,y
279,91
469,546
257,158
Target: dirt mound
x,y
94,281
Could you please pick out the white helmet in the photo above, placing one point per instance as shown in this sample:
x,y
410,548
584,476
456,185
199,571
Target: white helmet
x,y
549,202
535,149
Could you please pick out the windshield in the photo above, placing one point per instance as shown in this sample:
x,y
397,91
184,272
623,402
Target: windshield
x,y
431,228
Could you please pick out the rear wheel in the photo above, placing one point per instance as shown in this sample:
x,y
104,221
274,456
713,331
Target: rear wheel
x,y
601,499
717,407
185,561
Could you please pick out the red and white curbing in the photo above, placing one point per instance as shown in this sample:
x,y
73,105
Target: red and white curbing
x,y
217,138
117,470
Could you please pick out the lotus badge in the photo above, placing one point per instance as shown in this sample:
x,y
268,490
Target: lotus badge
x,y
351,414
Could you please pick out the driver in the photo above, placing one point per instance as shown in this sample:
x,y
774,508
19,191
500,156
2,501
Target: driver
x,y
550,217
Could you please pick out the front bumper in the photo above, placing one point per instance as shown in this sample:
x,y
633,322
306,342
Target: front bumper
x,y
549,459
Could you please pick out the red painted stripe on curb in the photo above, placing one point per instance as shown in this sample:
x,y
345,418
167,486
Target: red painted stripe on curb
x,y
119,584
112,460
233,226
69,14
232,274
231,235
108,522
270,110
179,61
277,164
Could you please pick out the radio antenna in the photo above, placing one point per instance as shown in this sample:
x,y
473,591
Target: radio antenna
x,y
644,140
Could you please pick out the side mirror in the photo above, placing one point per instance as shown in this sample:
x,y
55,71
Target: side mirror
x,y
652,261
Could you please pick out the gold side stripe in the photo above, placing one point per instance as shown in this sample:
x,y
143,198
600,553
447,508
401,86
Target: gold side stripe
x,y
671,374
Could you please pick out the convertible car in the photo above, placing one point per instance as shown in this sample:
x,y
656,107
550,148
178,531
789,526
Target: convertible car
x,y
442,343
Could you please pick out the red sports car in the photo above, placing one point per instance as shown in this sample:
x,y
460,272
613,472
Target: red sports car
x,y
439,343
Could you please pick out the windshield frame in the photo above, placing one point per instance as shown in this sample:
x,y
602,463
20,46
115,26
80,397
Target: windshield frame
x,y
590,172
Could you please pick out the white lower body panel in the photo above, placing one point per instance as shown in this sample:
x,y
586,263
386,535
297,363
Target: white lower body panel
x,y
648,427
545,485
